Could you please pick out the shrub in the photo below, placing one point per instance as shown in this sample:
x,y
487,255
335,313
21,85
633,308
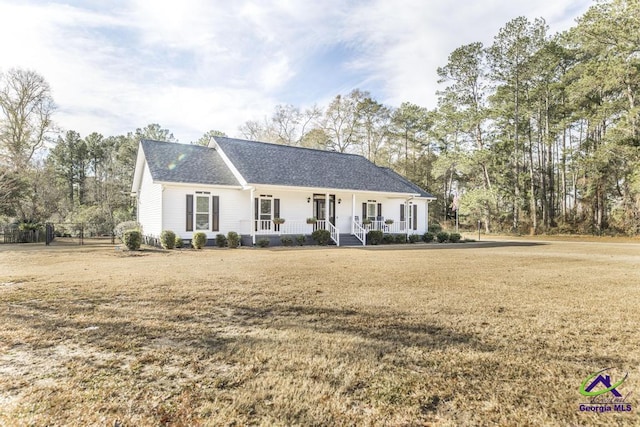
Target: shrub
x,y
388,239
123,227
221,240
300,240
322,237
428,237
374,237
179,242
199,240
263,243
401,238
286,240
132,239
454,237
233,239
435,227
414,238
442,236
168,239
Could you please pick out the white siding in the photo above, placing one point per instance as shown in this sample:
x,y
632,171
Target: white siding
x,y
294,207
150,205
234,206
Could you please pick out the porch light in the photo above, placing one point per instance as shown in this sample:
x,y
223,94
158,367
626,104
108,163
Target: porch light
x,y
339,201
308,199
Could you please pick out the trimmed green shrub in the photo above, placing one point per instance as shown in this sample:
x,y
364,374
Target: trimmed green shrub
x,y
374,237
442,236
179,242
388,239
401,238
123,227
428,237
132,239
233,239
286,240
199,240
300,240
263,243
414,238
221,240
454,237
322,237
168,239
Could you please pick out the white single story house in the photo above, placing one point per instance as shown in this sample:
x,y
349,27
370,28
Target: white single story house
x,y
243,186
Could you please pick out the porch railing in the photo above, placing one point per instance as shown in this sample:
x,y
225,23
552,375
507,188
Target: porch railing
x,y
360,233
268,227
326,225
397,227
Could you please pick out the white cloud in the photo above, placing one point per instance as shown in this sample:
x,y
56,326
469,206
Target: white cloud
x,y
408,40
195,65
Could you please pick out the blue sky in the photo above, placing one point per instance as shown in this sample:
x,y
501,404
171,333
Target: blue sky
x,y
196,65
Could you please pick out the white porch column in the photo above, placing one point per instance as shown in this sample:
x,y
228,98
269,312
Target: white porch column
x,y
252,217
326,210
353,212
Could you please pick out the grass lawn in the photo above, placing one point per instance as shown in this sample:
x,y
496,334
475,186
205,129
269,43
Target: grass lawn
x,y
463,334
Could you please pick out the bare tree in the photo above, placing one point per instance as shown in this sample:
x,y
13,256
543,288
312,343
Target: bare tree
x,y
26,106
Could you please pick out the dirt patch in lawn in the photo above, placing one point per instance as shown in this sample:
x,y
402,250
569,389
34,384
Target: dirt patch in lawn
x,y
484,335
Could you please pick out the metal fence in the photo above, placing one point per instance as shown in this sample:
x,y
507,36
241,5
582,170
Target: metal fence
x,y
69,233
15,235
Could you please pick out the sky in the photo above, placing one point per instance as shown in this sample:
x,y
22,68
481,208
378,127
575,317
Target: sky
x,y
197,65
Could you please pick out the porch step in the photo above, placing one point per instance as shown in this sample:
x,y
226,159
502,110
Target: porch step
x,y
349,240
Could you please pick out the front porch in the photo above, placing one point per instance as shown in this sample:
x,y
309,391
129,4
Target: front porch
x,y
272,229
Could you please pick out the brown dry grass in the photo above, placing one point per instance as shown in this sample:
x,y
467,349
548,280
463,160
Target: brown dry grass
x,y
491,335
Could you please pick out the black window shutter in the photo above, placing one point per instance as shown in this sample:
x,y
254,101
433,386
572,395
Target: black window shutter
x,y
364,210
215,218
189,226
402,217
415,217
276,212
379,212
256,212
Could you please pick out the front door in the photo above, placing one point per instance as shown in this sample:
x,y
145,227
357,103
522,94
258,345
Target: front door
x,y
320,208
266,213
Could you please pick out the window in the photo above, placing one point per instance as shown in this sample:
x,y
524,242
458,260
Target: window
x,y
202,212
205,214
371,211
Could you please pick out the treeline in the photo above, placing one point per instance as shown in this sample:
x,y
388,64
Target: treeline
x,y
534,133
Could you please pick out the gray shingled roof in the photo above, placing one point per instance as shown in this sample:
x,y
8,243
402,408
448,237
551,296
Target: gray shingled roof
x,y
173,162
263,163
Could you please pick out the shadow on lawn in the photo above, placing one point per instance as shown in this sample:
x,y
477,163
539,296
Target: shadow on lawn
x,y
185,327
467,245
384,327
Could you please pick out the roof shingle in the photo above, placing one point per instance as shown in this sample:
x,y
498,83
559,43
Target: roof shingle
x,y
264,163
173,162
